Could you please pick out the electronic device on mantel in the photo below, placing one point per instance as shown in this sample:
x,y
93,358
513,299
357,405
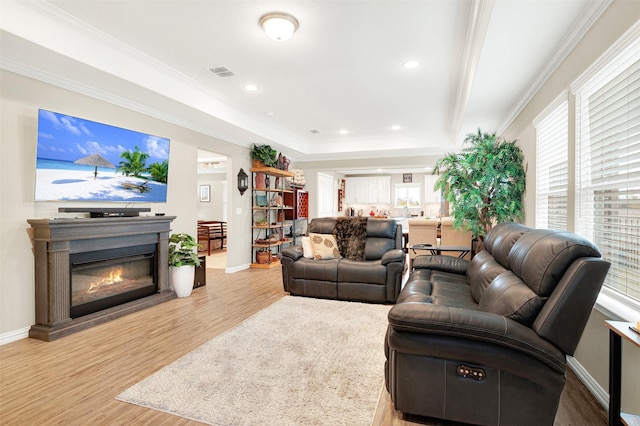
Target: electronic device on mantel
x,y
106,211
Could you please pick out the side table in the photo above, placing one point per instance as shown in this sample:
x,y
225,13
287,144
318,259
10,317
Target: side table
x,y
619,330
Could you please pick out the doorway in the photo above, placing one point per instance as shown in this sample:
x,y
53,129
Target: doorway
x,y
213,201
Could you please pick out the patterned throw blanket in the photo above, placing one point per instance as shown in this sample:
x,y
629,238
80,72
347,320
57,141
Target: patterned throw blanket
x,y
351,236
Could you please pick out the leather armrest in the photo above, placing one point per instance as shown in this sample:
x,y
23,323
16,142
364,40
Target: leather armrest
x,y
293,252
482,326
441,263
395,255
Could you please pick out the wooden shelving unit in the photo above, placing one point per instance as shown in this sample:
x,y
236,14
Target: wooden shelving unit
x,y
269,210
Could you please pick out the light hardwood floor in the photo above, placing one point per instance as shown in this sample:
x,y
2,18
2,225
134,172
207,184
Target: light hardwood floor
x,y
74,380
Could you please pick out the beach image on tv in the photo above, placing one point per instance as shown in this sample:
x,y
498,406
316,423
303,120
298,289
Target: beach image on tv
x,y
82,160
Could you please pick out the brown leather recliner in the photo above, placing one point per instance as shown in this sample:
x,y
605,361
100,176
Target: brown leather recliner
x,y
377,278
485,342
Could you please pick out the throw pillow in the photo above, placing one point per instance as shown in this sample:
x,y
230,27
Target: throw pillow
x,y
324,246
307,250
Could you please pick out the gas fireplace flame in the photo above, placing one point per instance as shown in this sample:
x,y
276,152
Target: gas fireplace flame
x,y
115,276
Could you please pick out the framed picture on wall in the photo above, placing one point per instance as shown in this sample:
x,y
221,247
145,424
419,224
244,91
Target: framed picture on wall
x,y
407,178
205,193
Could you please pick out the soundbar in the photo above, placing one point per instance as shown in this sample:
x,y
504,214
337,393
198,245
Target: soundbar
x,y
106,211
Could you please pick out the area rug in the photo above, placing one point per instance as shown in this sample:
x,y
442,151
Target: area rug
x,y
301,361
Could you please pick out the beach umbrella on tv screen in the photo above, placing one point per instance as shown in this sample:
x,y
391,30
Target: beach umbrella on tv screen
x,y
96,160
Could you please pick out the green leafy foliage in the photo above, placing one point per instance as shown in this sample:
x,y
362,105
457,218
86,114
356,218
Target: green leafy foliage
x,y
159,171
181,250
265,153
484,183
133,163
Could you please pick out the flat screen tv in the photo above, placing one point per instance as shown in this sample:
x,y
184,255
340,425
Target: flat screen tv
x,y
82,160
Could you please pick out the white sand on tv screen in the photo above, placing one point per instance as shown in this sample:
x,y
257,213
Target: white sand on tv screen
x,y
53,185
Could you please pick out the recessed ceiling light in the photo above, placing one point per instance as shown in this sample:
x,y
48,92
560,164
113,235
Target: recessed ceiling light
x,y
411,65
343,132
314,131
270,114
396,127
251,87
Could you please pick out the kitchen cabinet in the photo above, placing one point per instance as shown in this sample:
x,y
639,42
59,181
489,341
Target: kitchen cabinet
x,y
368,190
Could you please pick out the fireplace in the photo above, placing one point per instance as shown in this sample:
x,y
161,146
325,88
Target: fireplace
x,y
106,278
88,271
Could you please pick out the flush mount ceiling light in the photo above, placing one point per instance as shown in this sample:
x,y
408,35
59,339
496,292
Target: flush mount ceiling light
x,y
279,26
411,65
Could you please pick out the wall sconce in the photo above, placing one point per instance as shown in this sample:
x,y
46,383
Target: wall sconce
x,y
243,181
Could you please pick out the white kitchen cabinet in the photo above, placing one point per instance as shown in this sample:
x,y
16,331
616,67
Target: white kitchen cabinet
x,y
368,190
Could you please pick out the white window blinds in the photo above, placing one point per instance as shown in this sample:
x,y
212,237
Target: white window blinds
x,y
552,142
608,165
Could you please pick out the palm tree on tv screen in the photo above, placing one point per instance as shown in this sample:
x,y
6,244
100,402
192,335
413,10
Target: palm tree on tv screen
x,y
134,163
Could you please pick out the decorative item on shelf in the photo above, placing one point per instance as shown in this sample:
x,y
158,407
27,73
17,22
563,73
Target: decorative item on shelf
x,y
263,156
263,256
183,260
260,181
243,181
298,180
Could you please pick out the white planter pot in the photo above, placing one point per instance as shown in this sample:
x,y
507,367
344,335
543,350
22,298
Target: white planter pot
x,y
181,279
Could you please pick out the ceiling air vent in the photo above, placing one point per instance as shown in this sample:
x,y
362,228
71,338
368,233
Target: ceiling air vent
x,y
222,71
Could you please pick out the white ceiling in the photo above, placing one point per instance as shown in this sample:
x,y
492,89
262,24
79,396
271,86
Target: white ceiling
x,y
481,61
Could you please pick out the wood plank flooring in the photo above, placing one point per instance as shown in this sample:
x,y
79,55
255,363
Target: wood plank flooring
x,y
74,380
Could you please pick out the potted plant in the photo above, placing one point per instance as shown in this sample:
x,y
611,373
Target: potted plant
x,y
264,154
183,260
484,183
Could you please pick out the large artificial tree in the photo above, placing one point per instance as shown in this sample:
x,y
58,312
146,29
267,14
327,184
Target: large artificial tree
x,y
484,183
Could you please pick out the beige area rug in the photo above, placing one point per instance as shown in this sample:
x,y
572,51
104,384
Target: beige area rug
x,y
301,361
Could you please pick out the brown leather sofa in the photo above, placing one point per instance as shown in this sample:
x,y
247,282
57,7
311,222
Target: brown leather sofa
x,y
485,342
377,278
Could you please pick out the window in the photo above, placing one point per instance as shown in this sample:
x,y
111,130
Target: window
x,y
552,142
408,195
608,163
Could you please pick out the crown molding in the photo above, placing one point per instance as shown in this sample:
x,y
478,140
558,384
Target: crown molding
x,y
591,14
477,27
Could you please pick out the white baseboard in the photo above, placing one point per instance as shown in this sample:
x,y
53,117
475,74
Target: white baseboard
x,y
594,387
231,270
14,335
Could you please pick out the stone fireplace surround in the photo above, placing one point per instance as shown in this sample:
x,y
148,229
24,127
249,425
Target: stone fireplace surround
x,y
54,240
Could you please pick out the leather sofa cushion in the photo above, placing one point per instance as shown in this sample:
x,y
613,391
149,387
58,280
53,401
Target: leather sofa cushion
x,y
375,247
357,271
501,238
310,269
540,257
508,296
481,271
322,225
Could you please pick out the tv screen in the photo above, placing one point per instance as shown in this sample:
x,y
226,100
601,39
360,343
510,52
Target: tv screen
x,y
82,160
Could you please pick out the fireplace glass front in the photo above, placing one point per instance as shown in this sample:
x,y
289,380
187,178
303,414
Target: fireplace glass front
x,y
107,278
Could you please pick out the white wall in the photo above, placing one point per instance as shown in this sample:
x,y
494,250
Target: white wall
x,y
592,352
20,99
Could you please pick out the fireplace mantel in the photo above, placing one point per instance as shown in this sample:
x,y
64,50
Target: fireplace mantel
x,y
54,240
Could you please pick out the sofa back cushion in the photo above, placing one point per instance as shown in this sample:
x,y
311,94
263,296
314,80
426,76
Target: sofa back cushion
x,y
509,296
541,257
501,239
482,270
322,225
381,237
